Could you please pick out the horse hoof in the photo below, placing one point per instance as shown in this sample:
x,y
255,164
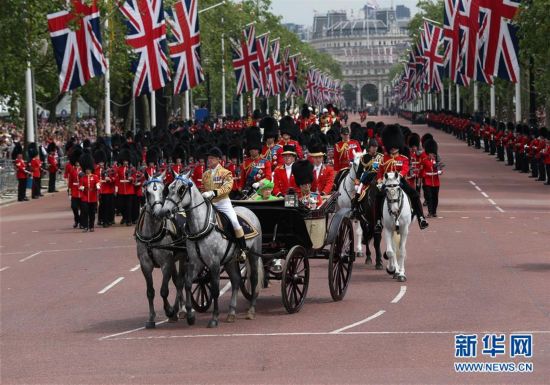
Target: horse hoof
x,y
401,278
379,266
390,272
213,323
231,318
182,315
150,325
368,261
190,319
385,255
395,275
173,319
251,315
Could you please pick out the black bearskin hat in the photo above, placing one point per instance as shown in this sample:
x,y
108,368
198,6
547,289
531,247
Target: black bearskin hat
x,y
414,140
392,137
234,152
288,126
152,155
17,149
253,139
124,156
32,150
425,137
74,154
357,132
179,153
305,111
87,162
430,146
303,172
51,147
215,152
544,132
100,156
268,124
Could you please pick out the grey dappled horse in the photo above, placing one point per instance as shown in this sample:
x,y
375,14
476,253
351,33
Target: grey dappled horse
x,y
151,231
207,246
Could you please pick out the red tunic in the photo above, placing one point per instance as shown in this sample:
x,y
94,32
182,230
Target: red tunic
x,y
124,182
52,164
398,164
21,167
429,172
89,187
254,170
323,184
36,163
281,182
107,182
74,182
291,142
197,175
343,153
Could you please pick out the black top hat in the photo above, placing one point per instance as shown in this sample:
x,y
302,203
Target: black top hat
x,y
303,172
289,149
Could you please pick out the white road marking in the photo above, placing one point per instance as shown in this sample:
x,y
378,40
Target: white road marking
x,y
484,194
465,217
75,249
477,188
499,209
130,331
4,268
14,232
400,295
492,202
135,268
488,217
377,314
473,183
109,286
30,256
35,231
512,217
298,334
225,288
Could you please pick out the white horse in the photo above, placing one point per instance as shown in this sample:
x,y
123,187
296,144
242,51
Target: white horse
x,y
347,192
396,219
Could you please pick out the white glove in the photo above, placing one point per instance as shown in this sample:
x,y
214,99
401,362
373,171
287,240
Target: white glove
x,y
379,186
81,188
208,195
255,185
439,172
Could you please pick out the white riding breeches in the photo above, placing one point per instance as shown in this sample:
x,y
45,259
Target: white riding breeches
x,y
226,207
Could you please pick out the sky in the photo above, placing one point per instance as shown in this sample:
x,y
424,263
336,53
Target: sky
x,y
301,11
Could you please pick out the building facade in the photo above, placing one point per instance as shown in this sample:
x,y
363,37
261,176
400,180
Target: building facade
x,y
366,49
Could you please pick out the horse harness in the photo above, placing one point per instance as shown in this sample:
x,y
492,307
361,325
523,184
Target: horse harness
x,y
399,199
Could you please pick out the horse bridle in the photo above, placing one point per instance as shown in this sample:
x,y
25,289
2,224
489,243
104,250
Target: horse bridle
x,y
155,181
398,199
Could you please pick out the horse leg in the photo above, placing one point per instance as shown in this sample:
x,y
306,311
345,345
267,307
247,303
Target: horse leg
x,y
358,238
148,274
215,291
189,275
256,276
390,254
232,269
402,255
167,274
178,279
365,241
377,240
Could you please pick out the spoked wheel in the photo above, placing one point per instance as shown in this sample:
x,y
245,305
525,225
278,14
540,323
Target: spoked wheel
x,y
295,279
201,297
340,260
245,282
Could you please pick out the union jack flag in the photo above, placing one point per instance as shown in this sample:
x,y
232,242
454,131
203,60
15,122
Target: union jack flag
x,y
262,46
454,41
245,61
77,49
292,84
431,38
147,36
311,87
186,45
498,38
275,69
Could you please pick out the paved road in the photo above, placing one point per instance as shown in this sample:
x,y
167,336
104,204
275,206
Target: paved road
x,y
481,267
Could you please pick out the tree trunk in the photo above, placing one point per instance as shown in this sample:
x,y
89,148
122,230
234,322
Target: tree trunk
x,y
74,107
146,122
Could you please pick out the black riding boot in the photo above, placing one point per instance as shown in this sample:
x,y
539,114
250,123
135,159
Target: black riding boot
x,y
241,243
417,207
378,208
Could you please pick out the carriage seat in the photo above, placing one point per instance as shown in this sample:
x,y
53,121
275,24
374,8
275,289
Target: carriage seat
x,y
224,224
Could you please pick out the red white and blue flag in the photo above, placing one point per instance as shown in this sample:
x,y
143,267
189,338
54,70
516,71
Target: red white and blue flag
x,y
76,39
245,61
262,46
185,45
275,69
292,83
147,37
431,38
455,43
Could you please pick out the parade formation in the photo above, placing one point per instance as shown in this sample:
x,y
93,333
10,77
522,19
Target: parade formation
x,y
287,180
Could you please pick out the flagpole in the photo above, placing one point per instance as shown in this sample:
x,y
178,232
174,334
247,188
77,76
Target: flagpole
x,y
133,112
443,98
450,105
223,76
253,102
107,122
153,110
278,102
241,106
476,97
493,109
457,99
518,100
186,105
30,109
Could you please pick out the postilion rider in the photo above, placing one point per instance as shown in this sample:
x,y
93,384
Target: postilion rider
x,y
217,184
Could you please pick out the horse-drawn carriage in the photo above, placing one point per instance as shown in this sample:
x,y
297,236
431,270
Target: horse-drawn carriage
x,y
291,237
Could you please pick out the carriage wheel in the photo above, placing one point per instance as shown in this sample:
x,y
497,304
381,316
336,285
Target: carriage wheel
x,y
295,279
340,261
201,297
245,282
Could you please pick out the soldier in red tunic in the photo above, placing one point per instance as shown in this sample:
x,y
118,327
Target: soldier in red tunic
x,y
21,172
89,189
36,169
125,186
106,209
393,140
282,176
254,168
430,171
323,175
53,166
344,150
